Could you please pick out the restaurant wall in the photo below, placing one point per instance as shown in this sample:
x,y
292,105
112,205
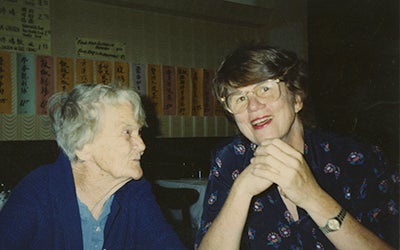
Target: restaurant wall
x,y
149,38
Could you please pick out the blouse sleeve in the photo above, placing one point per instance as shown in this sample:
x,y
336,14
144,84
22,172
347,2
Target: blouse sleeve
x,y
226,165
362,181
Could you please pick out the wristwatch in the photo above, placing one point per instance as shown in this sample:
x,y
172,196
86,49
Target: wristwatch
x,y
335,223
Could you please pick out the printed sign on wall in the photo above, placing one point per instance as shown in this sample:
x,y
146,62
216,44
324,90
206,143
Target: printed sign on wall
x,y
44,82
104,72
169,90
5,83
65,74
154,86
183,90
197,92
121,73
25,26
84,71
139,78
26,83
100,49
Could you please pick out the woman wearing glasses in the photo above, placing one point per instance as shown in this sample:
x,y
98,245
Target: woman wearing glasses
x,y
282,184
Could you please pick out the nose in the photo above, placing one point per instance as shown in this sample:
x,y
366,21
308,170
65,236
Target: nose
x,y
253,102
137,142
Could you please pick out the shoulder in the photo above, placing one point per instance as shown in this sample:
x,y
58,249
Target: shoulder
x,y
49,174
230,158
342,154
35,182
354,150
135,190
234,146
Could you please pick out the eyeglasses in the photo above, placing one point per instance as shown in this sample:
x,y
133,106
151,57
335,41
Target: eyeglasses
x,y
265,92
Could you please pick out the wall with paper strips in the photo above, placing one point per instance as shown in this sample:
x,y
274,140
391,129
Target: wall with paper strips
x,y
169,59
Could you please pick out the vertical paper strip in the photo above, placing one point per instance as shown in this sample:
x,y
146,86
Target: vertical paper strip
x,y
197,92
209,99
139,78
121,73
183,91
154,86
104,72
44,82
26,83
84,71
169,90
5,83
65,74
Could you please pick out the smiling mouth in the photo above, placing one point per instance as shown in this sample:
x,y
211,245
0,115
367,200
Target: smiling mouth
x,y
259,123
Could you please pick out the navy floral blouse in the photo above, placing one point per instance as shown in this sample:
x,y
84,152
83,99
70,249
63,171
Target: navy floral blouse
x,y
358,177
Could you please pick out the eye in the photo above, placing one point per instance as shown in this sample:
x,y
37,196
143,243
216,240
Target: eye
x,y
263,90
237,99
127,132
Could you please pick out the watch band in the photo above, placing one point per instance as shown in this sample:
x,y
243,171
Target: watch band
x,y
335,223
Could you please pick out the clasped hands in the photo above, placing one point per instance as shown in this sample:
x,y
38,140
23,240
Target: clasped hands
x,y
277,162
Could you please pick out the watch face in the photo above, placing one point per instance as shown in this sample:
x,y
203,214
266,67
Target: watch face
x,y
333,224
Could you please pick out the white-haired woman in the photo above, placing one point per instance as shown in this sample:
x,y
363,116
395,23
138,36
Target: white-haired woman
x,y
93,196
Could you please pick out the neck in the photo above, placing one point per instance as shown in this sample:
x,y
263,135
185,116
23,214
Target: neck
x,y
94,188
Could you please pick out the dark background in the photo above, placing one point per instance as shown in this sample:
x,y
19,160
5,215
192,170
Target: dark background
x,y
354,69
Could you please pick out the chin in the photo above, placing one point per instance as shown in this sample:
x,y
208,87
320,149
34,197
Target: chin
x,y
137,173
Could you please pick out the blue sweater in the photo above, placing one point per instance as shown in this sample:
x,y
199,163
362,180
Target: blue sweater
x,y
42,213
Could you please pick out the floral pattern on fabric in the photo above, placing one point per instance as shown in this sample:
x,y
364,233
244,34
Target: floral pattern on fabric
x,y
358,177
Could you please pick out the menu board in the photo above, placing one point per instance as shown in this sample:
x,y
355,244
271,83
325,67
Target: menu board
x,y
25,26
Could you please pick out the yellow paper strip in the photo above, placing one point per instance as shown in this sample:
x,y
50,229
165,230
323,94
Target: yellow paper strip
x,y
84,71
197,92
104,72
183,91
154,86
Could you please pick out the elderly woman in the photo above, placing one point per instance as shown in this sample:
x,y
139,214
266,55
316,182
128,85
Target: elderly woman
x,y
281,184
93,196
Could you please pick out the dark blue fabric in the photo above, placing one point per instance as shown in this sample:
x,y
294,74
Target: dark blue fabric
x,y
42,213
358,177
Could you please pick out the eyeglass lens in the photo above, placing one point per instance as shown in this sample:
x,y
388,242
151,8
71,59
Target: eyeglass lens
x,y
265,92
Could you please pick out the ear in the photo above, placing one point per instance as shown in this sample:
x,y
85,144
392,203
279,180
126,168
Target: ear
x,y
298,104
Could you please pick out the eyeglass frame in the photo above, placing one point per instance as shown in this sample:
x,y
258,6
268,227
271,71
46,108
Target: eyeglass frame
x,y
224,99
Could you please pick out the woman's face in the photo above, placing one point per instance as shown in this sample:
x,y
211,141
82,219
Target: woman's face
x,y
117,146
275,119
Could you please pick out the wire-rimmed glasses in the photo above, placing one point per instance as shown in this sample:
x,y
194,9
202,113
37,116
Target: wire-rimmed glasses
x,y
265,92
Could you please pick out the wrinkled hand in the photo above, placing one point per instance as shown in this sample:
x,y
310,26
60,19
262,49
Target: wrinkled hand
x,y
280,163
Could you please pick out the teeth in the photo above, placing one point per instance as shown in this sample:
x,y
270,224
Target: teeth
x,y
260,121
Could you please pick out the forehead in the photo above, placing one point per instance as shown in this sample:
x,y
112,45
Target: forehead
x,y
249,87
117,115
